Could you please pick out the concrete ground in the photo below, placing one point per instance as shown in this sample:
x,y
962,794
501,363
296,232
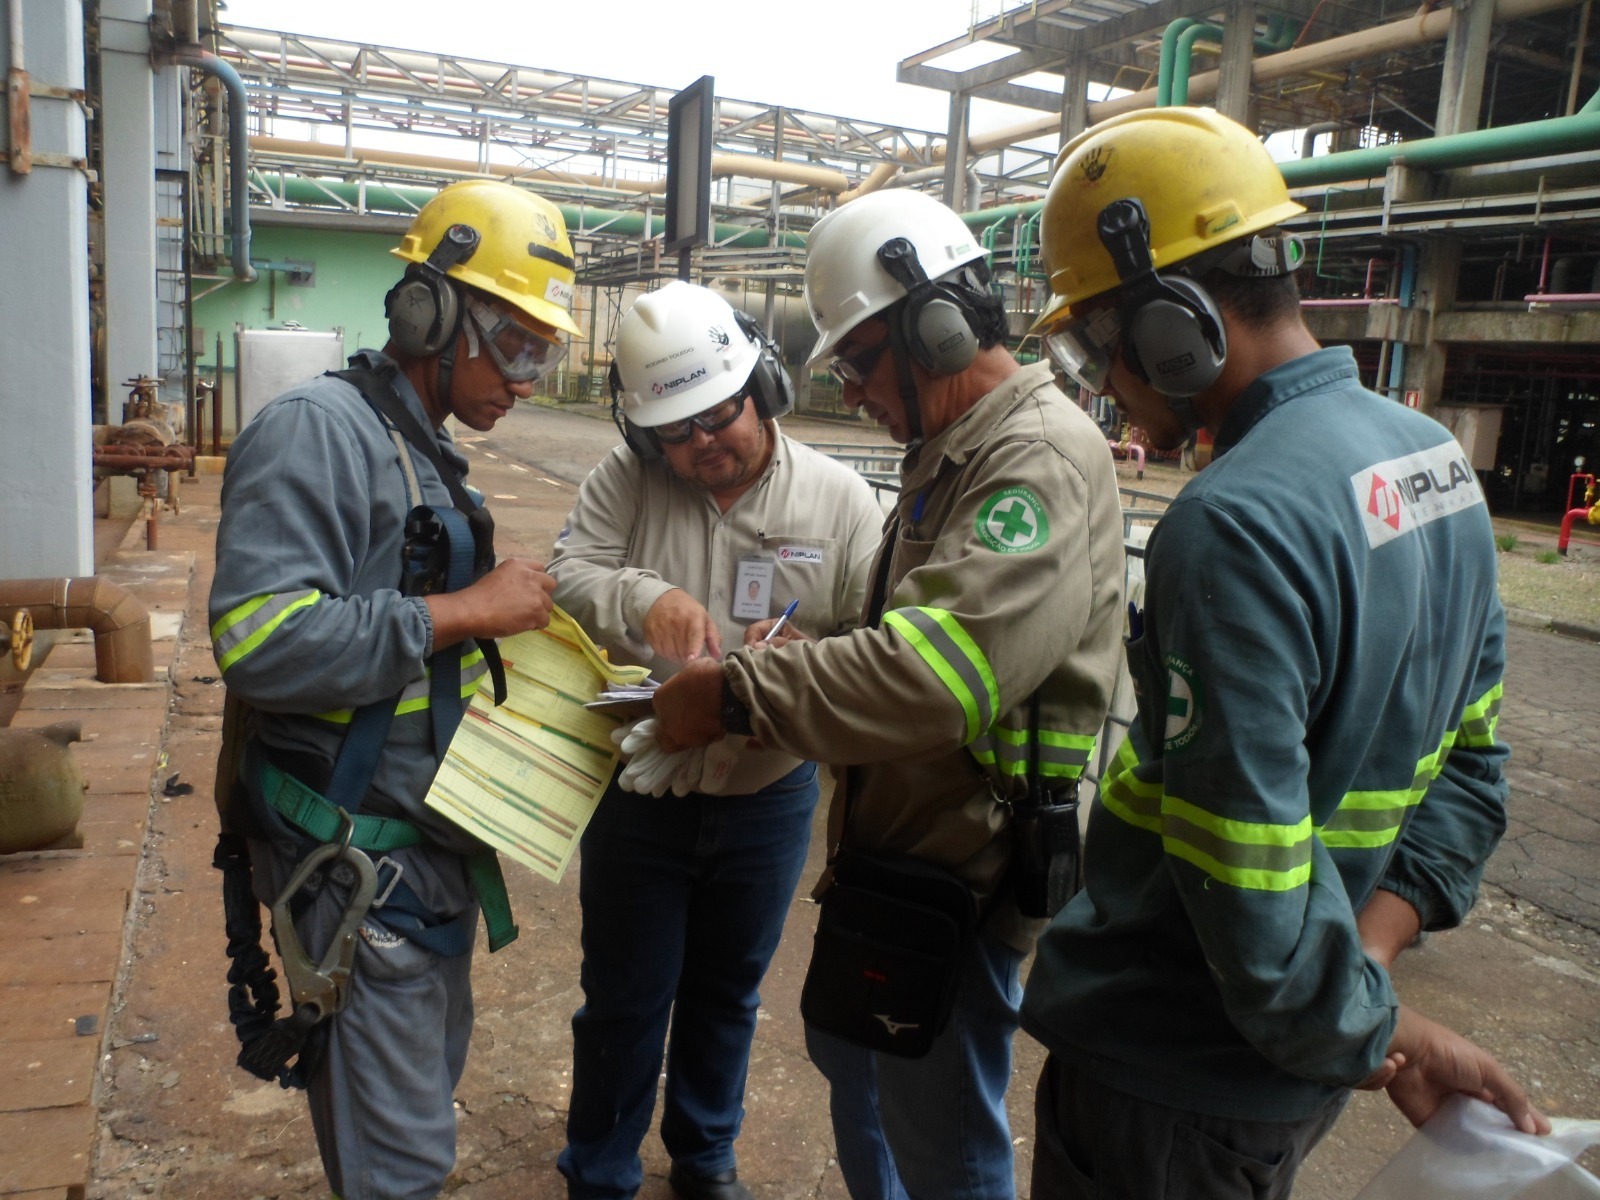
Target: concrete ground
x,y
117,949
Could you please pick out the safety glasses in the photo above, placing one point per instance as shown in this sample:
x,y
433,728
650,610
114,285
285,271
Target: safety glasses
x,y
520,354
854,368
718,416
1084,348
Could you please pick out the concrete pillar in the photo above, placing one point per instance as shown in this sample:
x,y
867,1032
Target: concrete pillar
x,y
955,162
128,135
44,404
1238,48
1466,55
1075,97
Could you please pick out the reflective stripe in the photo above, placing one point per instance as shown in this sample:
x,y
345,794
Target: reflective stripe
x,y
1254,855
414,696
937,636
1136,801
1268,857
1367,820
1061,755
239,632
1257,856
1479,720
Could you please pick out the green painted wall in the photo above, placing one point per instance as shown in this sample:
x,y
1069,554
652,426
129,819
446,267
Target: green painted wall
x,y
352,273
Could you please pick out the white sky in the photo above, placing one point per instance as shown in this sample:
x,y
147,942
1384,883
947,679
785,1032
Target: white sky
x,y
829,56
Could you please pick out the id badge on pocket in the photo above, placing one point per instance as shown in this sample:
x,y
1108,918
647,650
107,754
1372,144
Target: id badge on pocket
x,y
752,588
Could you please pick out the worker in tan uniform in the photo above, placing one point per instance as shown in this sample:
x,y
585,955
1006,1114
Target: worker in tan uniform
x,y
981,673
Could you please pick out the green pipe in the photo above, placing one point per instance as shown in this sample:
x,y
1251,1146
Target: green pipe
x,y
1558,135
1169,45
406,201
1183,58
1281,34
1177,52
991,234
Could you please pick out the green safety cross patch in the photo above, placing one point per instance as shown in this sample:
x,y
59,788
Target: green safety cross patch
x,y
1184,704
1013,521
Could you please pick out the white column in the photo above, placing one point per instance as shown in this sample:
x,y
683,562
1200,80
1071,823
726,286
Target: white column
x,y
128,137
45,489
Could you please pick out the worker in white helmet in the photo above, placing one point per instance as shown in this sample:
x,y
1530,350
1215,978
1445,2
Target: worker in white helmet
x,y
967,705
695,535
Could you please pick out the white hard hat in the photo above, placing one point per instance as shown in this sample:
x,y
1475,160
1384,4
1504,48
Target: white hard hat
x,y
845,281
679,351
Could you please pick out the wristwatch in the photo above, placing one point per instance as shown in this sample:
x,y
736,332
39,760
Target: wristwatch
x,y
735,716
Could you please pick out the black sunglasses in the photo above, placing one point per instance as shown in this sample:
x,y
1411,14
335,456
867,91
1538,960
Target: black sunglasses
x,y
718,416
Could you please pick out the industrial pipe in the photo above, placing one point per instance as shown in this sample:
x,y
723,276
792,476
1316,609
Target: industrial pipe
x,y
120,458
121,624
1557,135
1128,449
1592,515
238,149
18,91
1332,52
744,166
407,200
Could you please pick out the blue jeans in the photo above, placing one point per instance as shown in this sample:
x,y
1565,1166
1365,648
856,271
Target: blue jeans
x,y
932,1128
683,902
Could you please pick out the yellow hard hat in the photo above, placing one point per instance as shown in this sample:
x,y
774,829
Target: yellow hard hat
x,y
523,255
1203,180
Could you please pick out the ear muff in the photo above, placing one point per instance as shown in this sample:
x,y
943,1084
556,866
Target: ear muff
x,y
770,385
936,322
424,308
640,440
1173,336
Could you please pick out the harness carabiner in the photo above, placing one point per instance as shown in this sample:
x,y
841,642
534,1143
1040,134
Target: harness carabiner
x,y
323,987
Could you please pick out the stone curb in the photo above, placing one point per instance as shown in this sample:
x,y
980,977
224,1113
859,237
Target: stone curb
x,y
1532,620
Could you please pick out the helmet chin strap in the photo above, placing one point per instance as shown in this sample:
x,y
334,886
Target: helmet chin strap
x,y
908,384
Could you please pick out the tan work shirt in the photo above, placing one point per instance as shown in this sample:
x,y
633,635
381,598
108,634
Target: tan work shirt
x,y
1005,578
638,531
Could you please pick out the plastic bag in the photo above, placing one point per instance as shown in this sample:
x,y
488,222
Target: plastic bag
x,y
1469,1150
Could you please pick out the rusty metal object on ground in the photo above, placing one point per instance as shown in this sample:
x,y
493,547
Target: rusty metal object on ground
x,y
41,789
120,623
16,639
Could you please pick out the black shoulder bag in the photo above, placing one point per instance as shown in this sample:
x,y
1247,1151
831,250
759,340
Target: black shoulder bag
x,y
892,938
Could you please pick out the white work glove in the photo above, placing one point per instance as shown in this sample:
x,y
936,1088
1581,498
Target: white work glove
x,y
651,770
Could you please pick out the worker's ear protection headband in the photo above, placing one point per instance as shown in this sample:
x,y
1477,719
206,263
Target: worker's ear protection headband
x,y
936,322
1172,333
640,440
424,308
769,387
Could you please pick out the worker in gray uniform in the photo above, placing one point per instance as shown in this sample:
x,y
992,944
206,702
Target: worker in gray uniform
x,y
354,604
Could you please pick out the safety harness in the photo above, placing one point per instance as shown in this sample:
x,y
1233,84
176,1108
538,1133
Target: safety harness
x,y
446,549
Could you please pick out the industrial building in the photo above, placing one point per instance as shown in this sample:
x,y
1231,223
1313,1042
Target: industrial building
x,y
195,193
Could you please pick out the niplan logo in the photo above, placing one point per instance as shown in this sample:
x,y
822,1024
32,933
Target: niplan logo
x,y
1402,494
693,374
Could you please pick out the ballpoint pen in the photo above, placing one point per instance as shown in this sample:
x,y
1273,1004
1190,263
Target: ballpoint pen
x,y
783,620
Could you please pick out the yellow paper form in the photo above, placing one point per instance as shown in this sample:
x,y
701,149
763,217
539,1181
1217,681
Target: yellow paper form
x,y
525,777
